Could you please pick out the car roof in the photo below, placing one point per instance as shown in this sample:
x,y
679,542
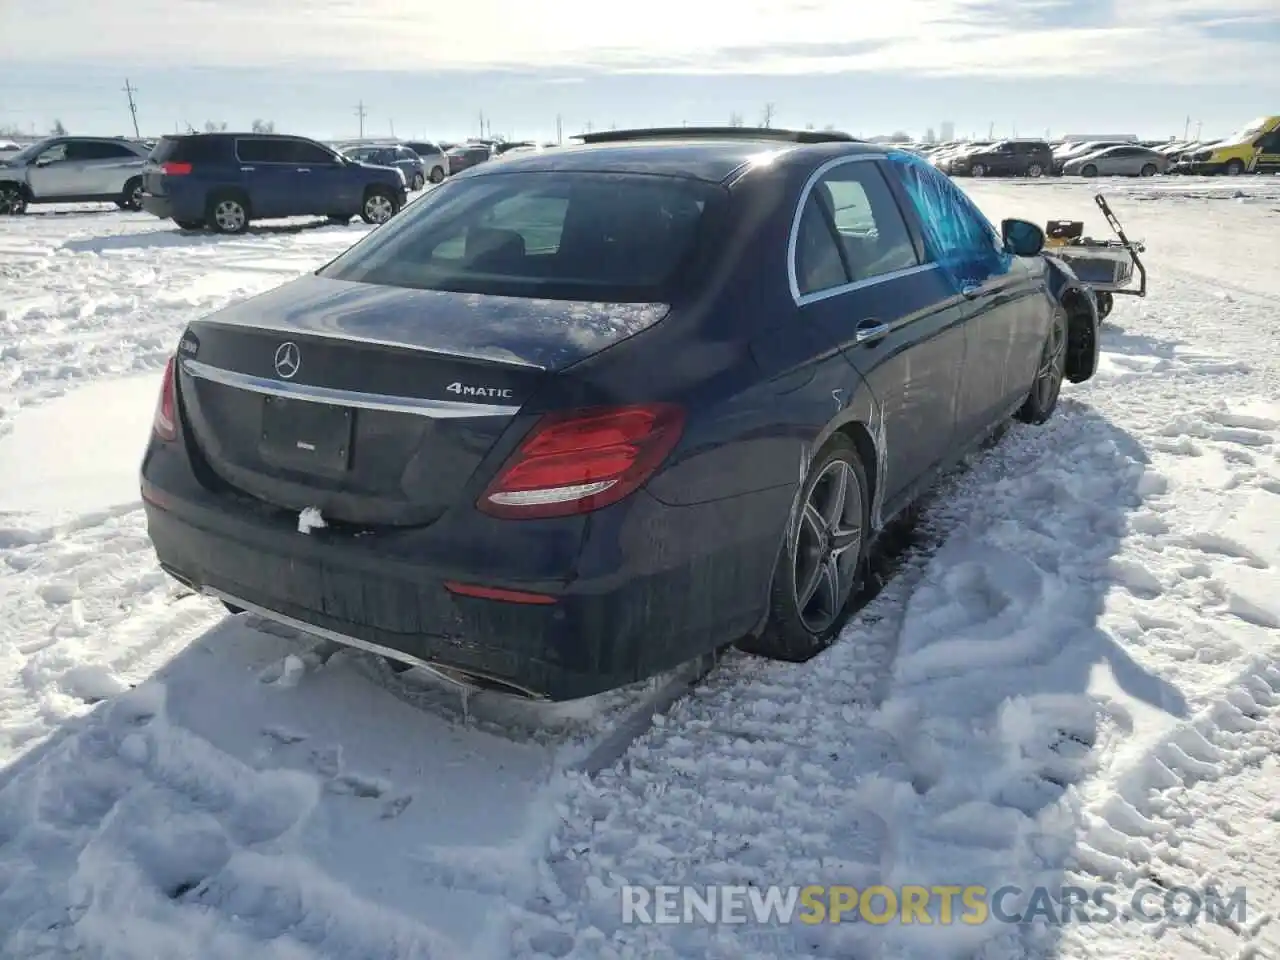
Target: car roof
x,y
701,159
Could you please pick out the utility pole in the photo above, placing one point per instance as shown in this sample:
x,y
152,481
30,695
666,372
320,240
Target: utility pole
x,y
361,113
481,124
559,130
1186,127
392,123
130,90
588,126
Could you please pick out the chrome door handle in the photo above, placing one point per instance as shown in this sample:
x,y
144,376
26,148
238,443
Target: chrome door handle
x,y
246,169
970,290
304,170
870,330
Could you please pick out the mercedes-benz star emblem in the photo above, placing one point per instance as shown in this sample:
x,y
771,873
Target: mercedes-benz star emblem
x,y
288,360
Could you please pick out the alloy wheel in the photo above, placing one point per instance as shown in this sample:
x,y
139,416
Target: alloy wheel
x,y
12,201
1052,364
379,208
229,216
828,545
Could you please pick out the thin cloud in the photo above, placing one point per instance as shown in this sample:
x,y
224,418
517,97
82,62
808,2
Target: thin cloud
x,y
1170,39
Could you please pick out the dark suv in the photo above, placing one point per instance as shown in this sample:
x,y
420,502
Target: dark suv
x,y
1008,158
224,180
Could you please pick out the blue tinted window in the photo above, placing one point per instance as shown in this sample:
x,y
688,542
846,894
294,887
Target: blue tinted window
x,y
957,236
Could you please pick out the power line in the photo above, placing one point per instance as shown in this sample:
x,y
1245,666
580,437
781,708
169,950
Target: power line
x,y
361,113
130,90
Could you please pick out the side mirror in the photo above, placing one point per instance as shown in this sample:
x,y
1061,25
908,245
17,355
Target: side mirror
x,y
44,161
1021,237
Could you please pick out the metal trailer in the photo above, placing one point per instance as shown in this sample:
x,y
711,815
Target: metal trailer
x,y
1107,266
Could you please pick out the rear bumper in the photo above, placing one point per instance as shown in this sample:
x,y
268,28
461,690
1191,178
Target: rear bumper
x,y
632,594
161,207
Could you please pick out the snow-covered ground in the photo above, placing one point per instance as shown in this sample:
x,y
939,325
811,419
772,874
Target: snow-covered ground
x,y
1070,679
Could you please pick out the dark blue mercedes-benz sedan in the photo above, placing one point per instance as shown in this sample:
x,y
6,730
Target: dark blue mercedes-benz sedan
x,y
579,417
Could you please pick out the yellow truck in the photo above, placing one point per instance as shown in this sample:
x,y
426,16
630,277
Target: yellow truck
x,y
1255,148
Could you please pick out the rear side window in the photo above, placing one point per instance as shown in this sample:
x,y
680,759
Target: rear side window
x,y
259,150
561,236
100,150
851,230
191,150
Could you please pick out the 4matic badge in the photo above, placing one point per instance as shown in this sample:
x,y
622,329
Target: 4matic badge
x,y
469,391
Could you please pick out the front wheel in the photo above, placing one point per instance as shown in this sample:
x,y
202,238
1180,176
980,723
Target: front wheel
x,y
437,174
379,206
1149,170
978,170
1234,168
1089,171
822,558
1035,170
419,181
12,200
1047,387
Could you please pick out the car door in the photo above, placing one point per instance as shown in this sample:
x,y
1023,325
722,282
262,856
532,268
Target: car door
x,y
323,186
860,280
54,172
1001,313
1268,152
1003,159
107,166
267,175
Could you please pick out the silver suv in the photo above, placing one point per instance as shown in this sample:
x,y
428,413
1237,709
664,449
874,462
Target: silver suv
x,y
73,170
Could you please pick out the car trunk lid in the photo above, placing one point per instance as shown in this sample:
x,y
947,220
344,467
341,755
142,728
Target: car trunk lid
x,y
375,404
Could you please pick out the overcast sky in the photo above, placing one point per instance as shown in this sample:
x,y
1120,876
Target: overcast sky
x,y
868,66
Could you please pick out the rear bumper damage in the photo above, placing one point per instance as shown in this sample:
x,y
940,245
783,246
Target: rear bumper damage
x,y
607,613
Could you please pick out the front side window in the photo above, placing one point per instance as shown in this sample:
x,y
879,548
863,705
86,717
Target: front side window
x,y
957,236
554,235
53,154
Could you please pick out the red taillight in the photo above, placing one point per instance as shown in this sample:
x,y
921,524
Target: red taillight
x,y
165,423
581,461
176,169
497,593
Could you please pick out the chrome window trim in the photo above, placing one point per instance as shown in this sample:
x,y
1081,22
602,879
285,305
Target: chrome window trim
x,y
302,331
802,299
416,406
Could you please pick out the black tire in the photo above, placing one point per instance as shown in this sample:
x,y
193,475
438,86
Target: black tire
x,y
978,170
1089,171
131,195
1042,400
1035,171
378,200
190,224
1234,168
437,174
796,631
13,200
222,217
419,181
1150,170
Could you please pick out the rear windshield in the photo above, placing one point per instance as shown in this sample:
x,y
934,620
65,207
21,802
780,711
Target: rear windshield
x,y
190,149
559,236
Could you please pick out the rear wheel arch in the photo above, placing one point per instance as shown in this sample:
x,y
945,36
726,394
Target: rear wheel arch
x,y
230,193
859,434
